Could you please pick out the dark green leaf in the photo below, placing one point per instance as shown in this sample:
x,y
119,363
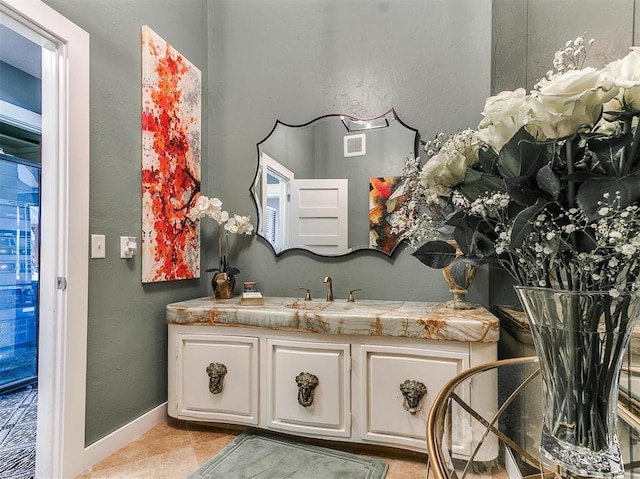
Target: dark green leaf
x,y
477,184
436,254
483,246
590,193
548,181
523,190
232,270
523,156
463,235
581,176
486,159
607,151
523,223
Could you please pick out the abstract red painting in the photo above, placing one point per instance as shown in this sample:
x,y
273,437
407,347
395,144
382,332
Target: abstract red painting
x,y
385,203
171,110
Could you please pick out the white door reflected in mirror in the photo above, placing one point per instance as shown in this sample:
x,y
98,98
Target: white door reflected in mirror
x,y
319,215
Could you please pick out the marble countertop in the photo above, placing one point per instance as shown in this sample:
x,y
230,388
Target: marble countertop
x,y
364,317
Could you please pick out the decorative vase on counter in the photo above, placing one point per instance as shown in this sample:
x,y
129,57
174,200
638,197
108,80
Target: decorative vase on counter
x,y
459,275
223,285
580,339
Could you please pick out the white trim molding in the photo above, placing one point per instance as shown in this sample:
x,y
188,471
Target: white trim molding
x,y
106,446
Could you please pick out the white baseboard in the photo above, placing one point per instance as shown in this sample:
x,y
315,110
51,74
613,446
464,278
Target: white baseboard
x,y
106,446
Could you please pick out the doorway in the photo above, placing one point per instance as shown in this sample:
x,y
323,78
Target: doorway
x,y
20,176
64,224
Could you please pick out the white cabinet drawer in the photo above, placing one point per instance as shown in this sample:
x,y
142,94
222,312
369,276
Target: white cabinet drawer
x,y
385,416
237,400
328,411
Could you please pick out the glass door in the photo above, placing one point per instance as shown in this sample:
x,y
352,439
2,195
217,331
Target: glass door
x,y
19,247
21,62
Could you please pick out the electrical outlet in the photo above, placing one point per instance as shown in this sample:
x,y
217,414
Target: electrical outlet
x,y
128,246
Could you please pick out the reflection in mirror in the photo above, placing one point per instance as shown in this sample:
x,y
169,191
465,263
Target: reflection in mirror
x,y
328,186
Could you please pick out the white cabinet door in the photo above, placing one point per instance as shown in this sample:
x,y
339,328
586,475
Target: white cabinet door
x,y
288,408
385,416
237,400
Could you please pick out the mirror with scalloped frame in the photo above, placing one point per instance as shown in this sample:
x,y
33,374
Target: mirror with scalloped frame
x,y
330,186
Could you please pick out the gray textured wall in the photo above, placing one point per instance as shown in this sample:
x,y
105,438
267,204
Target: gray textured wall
x,y
294,61
127,334
527,33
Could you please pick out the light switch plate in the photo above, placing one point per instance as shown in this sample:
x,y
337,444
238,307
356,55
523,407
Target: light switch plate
x,y
98,245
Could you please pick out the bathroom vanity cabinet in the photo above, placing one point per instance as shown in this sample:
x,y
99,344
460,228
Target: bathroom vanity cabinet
x,y
364,372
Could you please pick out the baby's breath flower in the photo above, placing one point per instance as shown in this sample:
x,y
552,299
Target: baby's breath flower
x,y
628,250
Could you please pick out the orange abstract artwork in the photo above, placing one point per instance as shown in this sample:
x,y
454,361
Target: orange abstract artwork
x,y
171,106
385,201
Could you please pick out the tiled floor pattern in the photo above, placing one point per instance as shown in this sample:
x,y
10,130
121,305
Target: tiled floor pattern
x,y
19,367
18,419
175,449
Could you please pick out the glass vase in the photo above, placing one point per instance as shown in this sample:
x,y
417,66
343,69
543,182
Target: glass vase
x,y
580,339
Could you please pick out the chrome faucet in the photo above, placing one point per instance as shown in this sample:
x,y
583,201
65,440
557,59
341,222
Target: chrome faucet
x,y
307,294
351,299
329,282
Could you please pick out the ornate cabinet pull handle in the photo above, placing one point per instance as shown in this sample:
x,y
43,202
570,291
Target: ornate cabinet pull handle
x,y
216,372
413,391
307,383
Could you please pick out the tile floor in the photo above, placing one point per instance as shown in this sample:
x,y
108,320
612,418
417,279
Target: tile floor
x,y
175,449
18,413
19,368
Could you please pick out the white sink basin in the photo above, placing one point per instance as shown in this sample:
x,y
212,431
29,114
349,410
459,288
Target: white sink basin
x,y
321,305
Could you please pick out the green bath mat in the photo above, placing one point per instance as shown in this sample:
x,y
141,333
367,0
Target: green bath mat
x,y
257,455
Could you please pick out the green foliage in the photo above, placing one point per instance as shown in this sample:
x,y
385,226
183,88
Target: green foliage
x,y
436,254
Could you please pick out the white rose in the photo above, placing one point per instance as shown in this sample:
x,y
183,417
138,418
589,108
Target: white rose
x,y
504,114
443,171
624,74
570,100
449,166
